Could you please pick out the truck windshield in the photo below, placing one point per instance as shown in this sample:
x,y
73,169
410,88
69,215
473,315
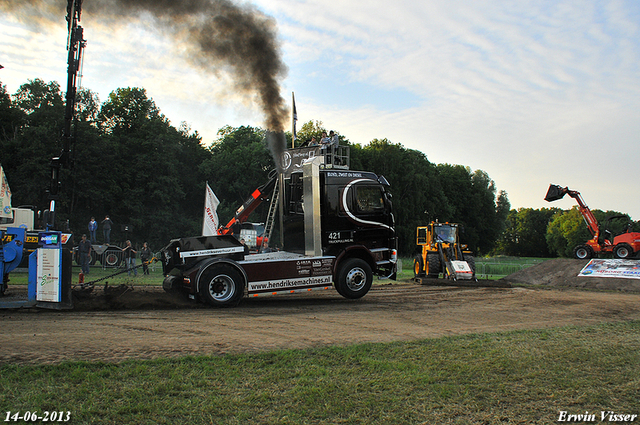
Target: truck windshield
x,y
445,234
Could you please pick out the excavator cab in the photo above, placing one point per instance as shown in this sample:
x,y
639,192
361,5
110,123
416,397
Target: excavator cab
x,y
442,253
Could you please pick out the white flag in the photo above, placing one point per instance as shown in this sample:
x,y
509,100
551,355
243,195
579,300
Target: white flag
x,y
210,224
5,197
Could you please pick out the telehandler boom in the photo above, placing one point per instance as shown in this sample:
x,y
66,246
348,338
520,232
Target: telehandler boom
x,y
625,245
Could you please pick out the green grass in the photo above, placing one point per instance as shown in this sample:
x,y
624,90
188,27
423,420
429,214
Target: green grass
x,y
486,267
96,272
521,377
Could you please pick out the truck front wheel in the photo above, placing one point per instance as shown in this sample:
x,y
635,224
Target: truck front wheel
x,y
354,278
221,285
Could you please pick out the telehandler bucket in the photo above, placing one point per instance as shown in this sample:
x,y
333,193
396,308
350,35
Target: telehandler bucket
x,y
554,193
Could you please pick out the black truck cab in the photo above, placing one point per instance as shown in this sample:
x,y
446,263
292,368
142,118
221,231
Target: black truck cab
x,y
337,230
356,215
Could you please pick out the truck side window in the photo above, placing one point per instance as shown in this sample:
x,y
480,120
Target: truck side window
x,y
369,199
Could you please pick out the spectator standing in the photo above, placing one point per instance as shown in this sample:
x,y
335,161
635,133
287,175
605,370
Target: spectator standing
x,y
244,244
333,147
145,255
106,229
84,251
93,226
334,141
324,140
130,259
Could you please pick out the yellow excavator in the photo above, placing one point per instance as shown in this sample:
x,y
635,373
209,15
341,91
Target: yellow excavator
x,y
442,253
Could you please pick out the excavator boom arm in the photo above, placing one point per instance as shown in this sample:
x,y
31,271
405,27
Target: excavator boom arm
x,y
556,192
242,214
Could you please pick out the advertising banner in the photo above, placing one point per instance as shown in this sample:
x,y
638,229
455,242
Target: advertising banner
x,y
48,275
628,269
5,196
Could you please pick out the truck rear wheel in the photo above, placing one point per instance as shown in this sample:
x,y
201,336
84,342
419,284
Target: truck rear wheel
x,y
221,285
354,278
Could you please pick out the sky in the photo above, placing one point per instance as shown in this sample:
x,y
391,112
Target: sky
x,y
531,92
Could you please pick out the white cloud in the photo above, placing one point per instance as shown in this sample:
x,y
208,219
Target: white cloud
x,y
531,92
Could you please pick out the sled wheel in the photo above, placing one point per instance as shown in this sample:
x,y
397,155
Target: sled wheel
x,y
221,285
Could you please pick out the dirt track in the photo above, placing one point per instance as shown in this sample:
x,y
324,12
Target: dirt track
x,y
401,311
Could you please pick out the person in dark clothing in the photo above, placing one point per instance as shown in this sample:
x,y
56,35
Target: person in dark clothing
x,y
145,255
84,251
130,259
246,248
106,229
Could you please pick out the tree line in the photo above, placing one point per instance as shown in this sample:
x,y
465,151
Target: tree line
x,y
553,232
131,163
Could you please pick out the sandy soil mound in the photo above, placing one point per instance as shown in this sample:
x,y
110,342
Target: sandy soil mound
x,y
563,272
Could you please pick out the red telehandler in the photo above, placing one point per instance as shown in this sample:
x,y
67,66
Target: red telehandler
x,y
625,245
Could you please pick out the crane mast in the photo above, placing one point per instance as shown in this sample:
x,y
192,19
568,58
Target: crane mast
x,y
75,45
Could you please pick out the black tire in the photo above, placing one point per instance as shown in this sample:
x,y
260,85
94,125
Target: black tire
x,y
354,278
583,252
94,257
418,267
221,285
623,251
471,262
433,265
111,258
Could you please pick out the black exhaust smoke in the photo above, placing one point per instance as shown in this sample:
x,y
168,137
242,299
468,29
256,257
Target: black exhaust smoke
x,y
218,34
